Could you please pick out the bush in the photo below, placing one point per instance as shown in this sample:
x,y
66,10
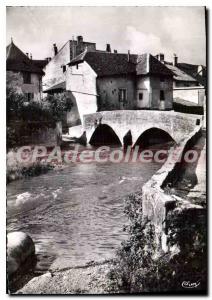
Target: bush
x,y
35,169
15,103
140,267
53,108
58,105
32,116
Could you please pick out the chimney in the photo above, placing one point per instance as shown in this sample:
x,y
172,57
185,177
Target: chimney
x,y
200,70
30,55
128,56
175,59
161,57
55,49
115,51
79,39
108,49
27,54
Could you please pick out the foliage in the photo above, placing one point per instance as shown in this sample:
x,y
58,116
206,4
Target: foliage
x,y
15,103
35,169
59,104
52,108
139,267
25,118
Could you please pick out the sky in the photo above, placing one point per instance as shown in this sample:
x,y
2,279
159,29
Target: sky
x,y
168,30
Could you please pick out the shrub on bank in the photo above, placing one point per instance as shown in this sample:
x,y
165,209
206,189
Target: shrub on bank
x,y
19,172
138,269
25,118
51,108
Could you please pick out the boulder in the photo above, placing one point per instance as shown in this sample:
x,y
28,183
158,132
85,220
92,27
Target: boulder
x,y
20,247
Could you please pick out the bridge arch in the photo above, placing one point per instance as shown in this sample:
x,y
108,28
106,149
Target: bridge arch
x,y
153,135
104,135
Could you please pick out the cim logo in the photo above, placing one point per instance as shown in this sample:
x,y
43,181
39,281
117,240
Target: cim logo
x,y
190,285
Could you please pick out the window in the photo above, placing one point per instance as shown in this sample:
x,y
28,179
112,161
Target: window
x,y
197,121
27,77
162,79
162,95
122,95
64,68
140,96
29,96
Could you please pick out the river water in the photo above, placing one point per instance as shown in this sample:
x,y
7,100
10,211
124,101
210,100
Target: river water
x,y
75,213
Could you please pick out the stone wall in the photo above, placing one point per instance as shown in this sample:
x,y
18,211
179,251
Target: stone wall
x,y
158,85
34,133
155,202
191,94
81,82
108,92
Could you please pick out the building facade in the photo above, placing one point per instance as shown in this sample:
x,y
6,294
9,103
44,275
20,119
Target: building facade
x,y
23,74
55,70
189,81
112,81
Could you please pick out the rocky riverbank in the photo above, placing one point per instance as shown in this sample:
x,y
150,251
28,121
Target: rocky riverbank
x,y
90,279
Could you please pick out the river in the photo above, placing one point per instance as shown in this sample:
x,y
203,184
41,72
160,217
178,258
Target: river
x,y
75,213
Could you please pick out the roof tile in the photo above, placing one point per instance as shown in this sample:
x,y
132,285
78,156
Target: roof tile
x,y
107,63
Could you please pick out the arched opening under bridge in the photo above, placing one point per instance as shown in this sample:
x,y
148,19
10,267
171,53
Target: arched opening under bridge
x,y
154,136
104,135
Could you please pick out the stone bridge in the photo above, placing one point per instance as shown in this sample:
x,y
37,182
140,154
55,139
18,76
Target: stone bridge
x,y
177,125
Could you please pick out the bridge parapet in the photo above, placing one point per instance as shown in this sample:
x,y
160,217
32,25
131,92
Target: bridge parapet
x,y
177,125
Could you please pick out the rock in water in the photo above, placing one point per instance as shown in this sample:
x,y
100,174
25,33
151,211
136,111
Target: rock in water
x,y
20,246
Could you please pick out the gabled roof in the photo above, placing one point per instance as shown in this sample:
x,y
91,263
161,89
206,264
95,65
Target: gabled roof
x,y
18,61
40,63
180,75
193,71
148,64
107,63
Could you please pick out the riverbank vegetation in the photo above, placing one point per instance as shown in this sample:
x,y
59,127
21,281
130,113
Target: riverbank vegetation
x,y
51,108
16,172
23,113
140,267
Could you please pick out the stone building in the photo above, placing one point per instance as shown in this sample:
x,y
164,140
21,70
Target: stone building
x,y
189,81
55,70
113,81
23,73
